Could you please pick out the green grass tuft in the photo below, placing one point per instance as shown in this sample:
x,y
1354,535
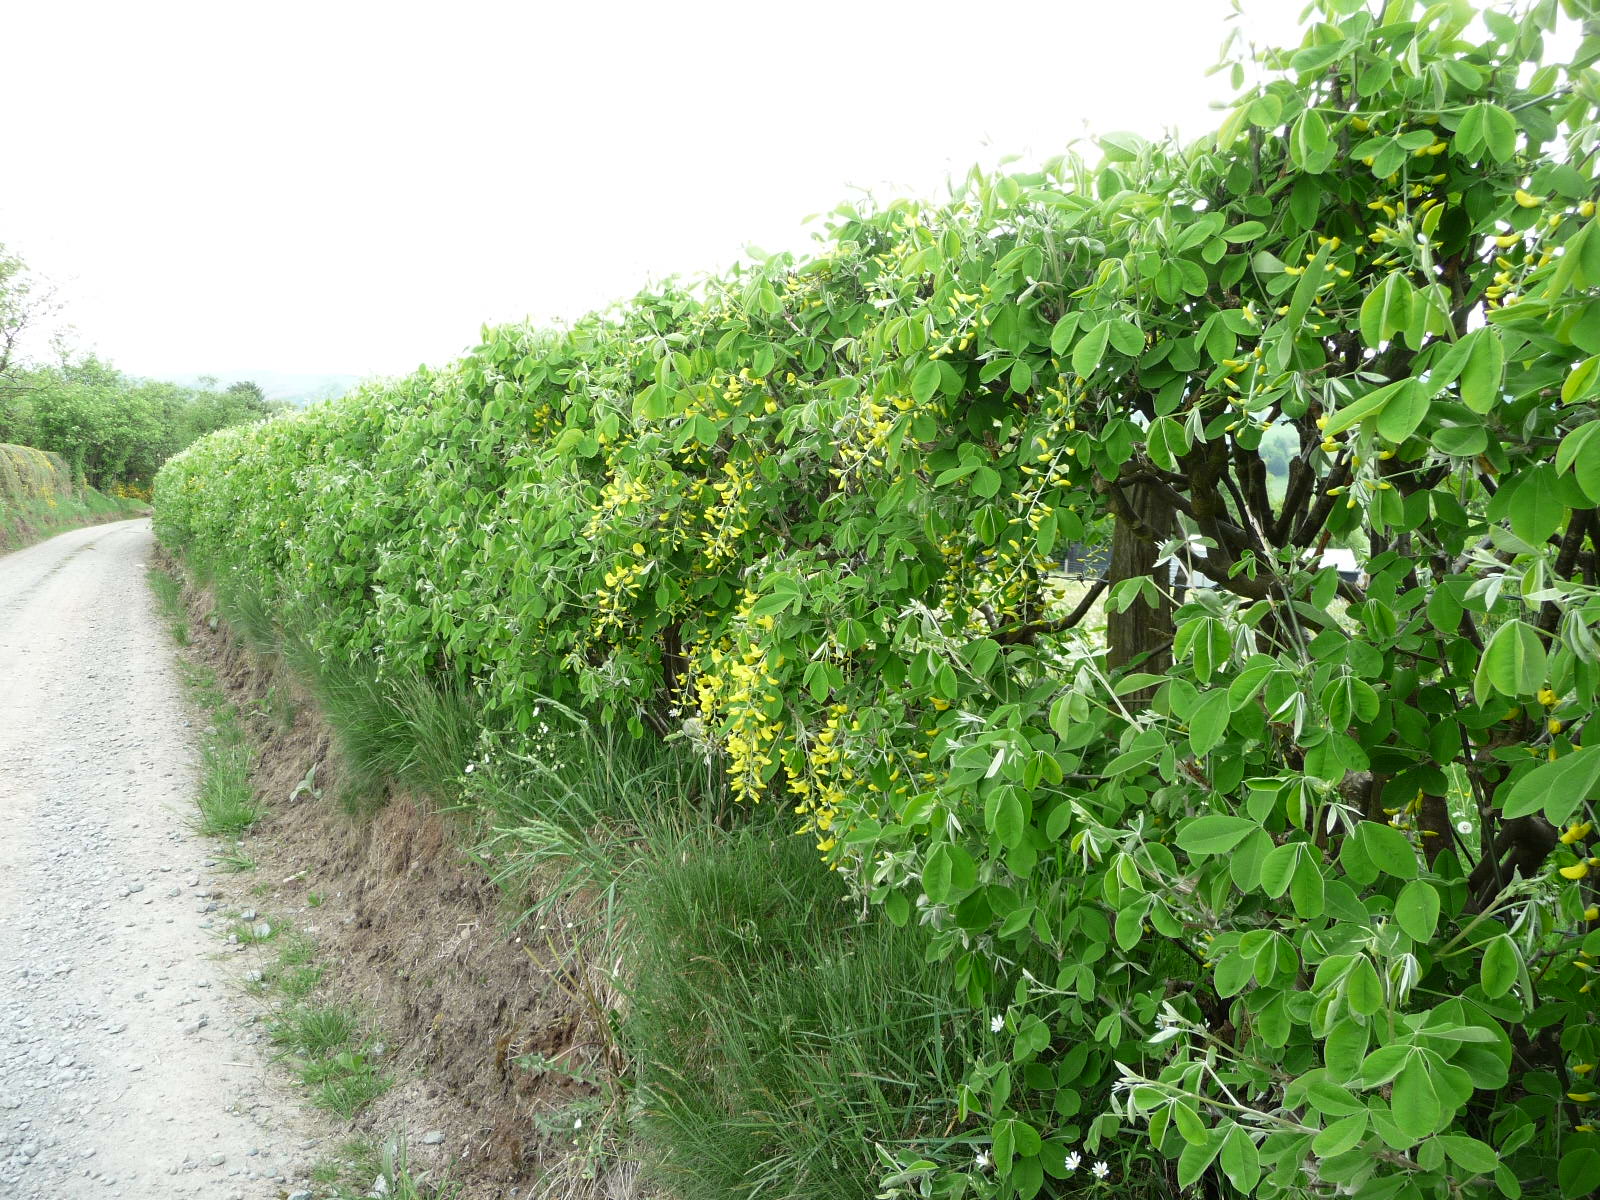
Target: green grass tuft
x,y
226,800
777,1039
314,1031
235,859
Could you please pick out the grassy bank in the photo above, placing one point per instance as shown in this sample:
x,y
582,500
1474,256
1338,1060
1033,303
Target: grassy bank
x,y
754,1034
38,499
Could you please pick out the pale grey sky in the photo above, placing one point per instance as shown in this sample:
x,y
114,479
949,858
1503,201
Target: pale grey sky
x,y
349,186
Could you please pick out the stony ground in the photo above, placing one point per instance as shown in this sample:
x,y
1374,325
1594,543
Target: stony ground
x,y
131,1061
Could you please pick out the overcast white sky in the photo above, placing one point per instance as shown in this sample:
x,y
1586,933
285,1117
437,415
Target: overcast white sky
x,y
345,186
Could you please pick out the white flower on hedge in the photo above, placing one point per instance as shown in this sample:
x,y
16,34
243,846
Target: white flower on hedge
x,y
1100,1170
982,1160
1073,1160
996,1024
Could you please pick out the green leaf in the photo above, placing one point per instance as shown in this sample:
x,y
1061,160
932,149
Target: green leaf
x,y
1499,131
1416,1109
1388,849
1469,139
1579,453
1342,1135
1330,1099
1537,506
1308,890
1209,722
1582,380
1362,407
1309,145
1065,330
949,874
1500,966
925,382
1417,910
1277,869
1513,663
1461,441
1483,371
1362,990
1470,1153
1215,834
1240,1160
1387,309
1557,788
1579,1172
1401,416
1090,349
1384,1063
1197,1156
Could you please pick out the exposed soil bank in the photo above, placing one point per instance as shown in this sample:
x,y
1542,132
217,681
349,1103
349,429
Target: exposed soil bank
x,y
414,935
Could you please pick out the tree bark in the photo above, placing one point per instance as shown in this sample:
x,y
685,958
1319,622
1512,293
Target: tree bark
x,y
1140,635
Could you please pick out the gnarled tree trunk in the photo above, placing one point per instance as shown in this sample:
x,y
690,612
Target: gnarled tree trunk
x,y
1141,633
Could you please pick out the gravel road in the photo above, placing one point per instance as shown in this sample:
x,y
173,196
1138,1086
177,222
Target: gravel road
x,y
130,1062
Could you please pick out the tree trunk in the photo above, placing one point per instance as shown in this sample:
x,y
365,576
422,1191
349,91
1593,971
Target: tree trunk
x,y
1140,635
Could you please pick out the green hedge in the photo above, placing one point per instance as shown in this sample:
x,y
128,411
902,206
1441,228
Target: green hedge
x,y
1282,881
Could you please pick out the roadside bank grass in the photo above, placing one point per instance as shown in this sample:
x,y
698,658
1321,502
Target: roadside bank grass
x,y
169,600
326,1044
26,522
749,1032
770,1037
777,1037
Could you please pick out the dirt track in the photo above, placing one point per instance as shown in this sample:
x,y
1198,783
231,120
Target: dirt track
x,y
129,1066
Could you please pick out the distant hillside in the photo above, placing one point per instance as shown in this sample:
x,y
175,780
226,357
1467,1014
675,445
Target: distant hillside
x,y
289,386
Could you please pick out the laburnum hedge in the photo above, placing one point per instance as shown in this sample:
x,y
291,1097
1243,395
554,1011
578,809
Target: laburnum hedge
x,y
1286,882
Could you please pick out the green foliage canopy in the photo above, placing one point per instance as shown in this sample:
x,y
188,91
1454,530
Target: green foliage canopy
x,y
1289,886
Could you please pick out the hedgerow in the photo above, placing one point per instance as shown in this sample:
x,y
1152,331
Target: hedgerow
x,y
1286,881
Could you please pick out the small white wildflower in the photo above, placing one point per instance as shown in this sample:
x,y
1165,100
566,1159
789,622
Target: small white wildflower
x,y
1100,1170
577,1122
997,1024
1464,827
470,768
1073,1160
982,1161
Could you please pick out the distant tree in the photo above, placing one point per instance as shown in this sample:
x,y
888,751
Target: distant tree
x,y
22,303
1280,446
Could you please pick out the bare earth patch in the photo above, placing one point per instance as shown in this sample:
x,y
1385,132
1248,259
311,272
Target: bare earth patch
x,y
412,933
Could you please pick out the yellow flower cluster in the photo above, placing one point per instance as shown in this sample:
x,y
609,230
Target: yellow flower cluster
x,y
619,493
738,692
818,792
727,516
863,435
621,588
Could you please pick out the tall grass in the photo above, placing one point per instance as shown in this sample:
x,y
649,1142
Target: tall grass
x,y
226,799
393,728
777,1038
772,1037
568,815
